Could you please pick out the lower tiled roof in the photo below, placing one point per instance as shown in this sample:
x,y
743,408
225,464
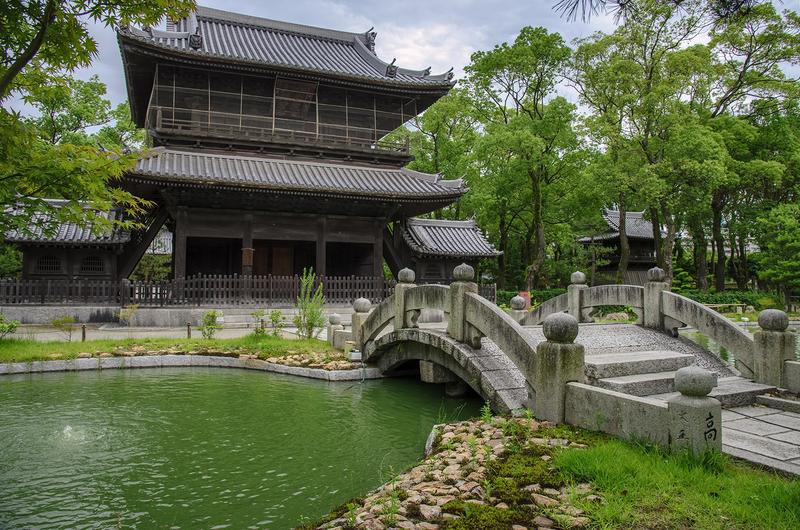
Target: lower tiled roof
x,y
198,167
44,229
460,239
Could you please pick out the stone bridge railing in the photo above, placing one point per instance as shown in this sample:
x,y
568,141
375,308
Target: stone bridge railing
x,y
755,356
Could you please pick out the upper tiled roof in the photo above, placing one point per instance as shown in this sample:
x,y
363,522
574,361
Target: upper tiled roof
x,y
254,40
460,239
45,229
636,226
294,176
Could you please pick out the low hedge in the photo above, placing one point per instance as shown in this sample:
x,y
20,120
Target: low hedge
x,y
537,296
758,299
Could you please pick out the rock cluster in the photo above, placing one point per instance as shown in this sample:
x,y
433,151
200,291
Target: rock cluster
x,y
325,361
461,475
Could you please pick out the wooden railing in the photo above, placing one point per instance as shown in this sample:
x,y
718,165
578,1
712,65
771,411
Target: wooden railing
x,y
200,290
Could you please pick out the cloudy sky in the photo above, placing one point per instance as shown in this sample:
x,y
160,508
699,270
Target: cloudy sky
x,y
419,33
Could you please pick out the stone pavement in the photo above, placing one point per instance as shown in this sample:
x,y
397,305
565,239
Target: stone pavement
x,y
763,435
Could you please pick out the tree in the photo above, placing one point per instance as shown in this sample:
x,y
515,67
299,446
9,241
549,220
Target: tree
x,y
55,33
585,9
512,87
780,247
50,156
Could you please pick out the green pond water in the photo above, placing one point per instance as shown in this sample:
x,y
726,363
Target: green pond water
x,y
203,448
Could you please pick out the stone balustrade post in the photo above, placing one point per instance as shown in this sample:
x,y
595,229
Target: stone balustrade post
x,y
361,309
517,311
773,345
405,281
559,360
334,325
463,276
695,419
655,285
576,285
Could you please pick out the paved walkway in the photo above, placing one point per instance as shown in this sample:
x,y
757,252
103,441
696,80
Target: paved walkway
x,y
764,436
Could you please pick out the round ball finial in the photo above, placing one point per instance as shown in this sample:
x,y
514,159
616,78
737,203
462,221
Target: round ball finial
x,y
517,303
656,274
463,273
335,319
773,320
362,305
406,275
694,381
560,327
577,278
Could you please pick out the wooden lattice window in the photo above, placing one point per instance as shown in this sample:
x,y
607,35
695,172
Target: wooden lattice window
x,y
48,263
92,265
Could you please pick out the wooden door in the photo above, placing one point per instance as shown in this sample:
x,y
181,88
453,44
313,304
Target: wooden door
x,y
282,261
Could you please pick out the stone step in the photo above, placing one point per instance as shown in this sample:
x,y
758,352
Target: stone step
x,y
731,392
640,384
642,362
786,405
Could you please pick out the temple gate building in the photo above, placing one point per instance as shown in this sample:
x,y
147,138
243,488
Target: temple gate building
x,y
269,153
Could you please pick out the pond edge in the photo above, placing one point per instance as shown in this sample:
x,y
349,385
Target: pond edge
x,y
206,361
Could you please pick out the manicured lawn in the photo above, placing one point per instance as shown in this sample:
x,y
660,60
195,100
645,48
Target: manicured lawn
x,y
21,350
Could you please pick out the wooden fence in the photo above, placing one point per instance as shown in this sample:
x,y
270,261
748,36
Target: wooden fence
x,y
200,290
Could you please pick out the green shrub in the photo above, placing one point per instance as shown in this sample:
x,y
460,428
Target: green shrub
x,y
7,327
127,313
65,324
276,321
258,322
310,316
210,324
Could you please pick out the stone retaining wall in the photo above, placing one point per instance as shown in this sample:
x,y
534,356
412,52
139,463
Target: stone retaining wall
x,y
166,361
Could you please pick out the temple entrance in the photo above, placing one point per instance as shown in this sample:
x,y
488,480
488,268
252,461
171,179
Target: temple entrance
x,y
282,258
213,255
349,259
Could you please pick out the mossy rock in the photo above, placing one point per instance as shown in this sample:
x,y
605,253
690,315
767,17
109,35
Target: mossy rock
x,y
526,468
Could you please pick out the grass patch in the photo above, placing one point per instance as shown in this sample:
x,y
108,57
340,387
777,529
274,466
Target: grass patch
x,y
24,350
644,488
478,516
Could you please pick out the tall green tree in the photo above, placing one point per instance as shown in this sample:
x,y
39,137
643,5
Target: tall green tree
x,y
47,157
513,90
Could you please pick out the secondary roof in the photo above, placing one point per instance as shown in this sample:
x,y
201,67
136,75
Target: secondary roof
x,y
636,226
458,239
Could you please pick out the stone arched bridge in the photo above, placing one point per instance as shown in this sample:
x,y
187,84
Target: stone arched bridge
x,y
503,358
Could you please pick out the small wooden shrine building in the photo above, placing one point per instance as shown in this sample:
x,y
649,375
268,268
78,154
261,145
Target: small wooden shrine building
x,y
270,154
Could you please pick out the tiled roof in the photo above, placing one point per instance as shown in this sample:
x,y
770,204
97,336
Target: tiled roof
x,y
254,40
293,176
462,239
636,226
45,229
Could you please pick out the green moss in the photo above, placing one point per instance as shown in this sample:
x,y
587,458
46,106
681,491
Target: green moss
x,y
479,517
527,467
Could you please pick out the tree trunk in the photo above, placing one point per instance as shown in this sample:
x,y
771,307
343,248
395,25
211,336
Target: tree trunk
x,y
537,260
717,203
657,243
624,244
501,259
669,241
740,264
700,247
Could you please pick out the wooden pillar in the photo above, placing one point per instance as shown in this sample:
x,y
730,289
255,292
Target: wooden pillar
x,y
179,248
322,231
377,249
247,246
